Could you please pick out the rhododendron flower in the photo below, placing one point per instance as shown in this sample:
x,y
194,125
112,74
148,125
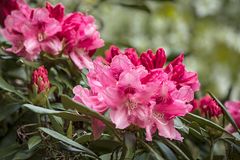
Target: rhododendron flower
x,y
233,108
40,79
209,107
136,95
6,7
81,38
56,12
31,31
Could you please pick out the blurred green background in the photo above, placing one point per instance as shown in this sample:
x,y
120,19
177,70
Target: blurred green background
x,y
207,31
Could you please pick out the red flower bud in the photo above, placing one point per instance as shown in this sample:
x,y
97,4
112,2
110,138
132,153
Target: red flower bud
x,y
40,79
160,58
132,55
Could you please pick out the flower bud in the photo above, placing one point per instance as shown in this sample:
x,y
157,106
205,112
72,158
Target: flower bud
x,y
160,58
40,79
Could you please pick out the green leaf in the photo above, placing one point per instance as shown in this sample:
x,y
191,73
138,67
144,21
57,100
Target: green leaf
x,y
9,150
228,115
66,140
6,110
206,122
105,146
152,150
129,146
167,152
7,87
175,148
178,124
34,141
72,116
68,103
70,130
84,138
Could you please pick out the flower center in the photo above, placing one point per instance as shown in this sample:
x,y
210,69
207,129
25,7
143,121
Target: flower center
x,y
131,105
41,37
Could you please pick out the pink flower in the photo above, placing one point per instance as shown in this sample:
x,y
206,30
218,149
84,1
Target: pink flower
x,y
6,7
81,38
209,107
31,31
233,108
40,79
145,96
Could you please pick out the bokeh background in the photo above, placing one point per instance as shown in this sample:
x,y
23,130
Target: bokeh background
x,y
207,31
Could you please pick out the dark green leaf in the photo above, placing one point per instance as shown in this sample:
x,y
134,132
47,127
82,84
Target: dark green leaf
x,y
7,87
206,122
66,140
73,116
175,148
9,150
34,141
129,146
6,110
167,152
152,150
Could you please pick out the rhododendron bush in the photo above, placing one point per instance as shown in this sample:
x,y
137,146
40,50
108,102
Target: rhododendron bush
x,y
63,96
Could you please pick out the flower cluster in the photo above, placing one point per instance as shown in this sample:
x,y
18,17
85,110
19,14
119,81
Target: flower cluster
x,y
34,30
140,91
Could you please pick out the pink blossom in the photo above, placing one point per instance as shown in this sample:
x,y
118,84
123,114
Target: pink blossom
x,y
233,108
133,94
209,107
6,7
40,79
81,38
31,31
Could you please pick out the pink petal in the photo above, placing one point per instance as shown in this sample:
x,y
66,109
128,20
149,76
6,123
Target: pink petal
x,y
81,60
119,117
32,46
184,93
52,46
168,130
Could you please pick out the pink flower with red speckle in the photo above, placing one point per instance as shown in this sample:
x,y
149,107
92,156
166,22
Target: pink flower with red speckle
x,y
40,79
133,94
209,107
